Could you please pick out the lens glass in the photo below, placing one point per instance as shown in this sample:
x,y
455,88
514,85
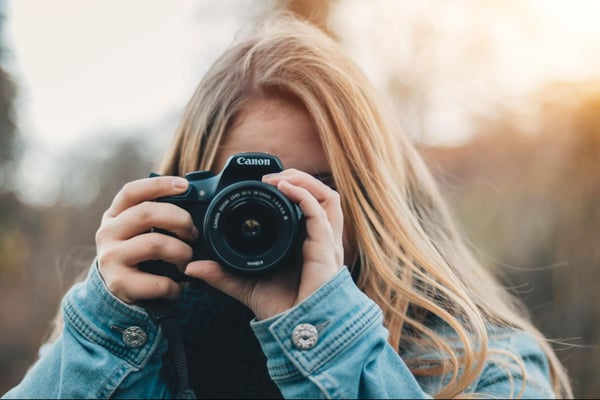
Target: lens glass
x,y
251,227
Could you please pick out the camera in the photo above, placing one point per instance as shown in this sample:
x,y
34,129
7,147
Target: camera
x,y
247,226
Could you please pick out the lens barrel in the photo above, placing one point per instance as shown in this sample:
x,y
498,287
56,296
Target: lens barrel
x,y
251,227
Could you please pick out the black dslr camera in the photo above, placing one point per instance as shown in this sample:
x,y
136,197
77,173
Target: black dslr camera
x,y
246,225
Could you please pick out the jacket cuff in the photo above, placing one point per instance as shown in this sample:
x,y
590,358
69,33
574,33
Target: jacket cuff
x,y
101,318
338,310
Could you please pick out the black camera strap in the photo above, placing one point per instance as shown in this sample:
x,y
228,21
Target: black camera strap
x,y
161,312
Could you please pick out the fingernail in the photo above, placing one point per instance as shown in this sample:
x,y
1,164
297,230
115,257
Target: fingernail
x,y
270,176
188,269
194,231
180,183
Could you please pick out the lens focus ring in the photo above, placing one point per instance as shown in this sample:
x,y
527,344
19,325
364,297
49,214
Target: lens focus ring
x,y
251,227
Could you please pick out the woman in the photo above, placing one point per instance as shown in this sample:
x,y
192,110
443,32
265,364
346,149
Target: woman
x,y
388,301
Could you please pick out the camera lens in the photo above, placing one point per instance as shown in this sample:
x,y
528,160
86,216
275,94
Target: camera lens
x,y
251,227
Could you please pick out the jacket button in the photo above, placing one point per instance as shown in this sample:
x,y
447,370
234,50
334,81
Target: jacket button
x,y
134,336
305,336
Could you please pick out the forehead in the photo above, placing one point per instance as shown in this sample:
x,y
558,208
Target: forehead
x,y
279,127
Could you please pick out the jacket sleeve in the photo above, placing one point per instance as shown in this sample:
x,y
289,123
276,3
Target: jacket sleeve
x,y
334,345
107,349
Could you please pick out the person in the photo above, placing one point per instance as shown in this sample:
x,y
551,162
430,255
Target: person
x,y
387,301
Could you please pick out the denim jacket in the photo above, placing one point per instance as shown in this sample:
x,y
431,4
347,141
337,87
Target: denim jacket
x,y
333,345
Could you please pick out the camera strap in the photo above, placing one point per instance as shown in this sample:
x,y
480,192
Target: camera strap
x,y
161,312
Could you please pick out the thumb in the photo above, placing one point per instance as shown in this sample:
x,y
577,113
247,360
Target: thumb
x,y
216,276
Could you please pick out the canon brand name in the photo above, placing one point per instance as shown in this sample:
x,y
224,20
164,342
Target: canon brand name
x,y
253,161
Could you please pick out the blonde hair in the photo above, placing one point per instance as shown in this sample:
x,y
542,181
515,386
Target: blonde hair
x,y
411,260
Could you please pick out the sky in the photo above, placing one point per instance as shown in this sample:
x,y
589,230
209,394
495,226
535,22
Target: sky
x,y
85,67
463,59
91,68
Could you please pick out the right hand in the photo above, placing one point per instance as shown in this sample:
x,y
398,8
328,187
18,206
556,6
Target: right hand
x,y
125,239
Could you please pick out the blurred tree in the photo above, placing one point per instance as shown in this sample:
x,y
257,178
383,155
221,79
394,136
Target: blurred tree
x,y
528,201
60,243
528,198
13,214
8,129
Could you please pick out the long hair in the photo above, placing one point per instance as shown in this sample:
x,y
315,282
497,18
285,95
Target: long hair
x,y
410,259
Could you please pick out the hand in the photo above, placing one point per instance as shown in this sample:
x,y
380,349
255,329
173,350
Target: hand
x,y
322,251
125,239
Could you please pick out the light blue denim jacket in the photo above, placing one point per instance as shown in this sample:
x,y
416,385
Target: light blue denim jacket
x,y
350,359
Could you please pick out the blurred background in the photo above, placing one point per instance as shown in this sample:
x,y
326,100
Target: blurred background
x,y
502,98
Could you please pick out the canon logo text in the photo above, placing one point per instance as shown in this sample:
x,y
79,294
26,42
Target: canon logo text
x,y
253,161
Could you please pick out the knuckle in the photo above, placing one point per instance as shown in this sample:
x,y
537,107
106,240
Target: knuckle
x,y
107,257
321,214
125,194
188,252
100,234
188,220
306,246
127,188
144,211
103,232
106,216
182,254
116,285
155,243
162,287
335,197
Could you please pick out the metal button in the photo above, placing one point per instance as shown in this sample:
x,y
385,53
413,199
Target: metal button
x,y
305,336
134,336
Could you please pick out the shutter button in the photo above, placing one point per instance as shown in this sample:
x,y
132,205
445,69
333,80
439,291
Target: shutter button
x,y
305,336
134,336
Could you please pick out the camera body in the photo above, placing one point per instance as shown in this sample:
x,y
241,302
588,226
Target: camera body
x,y
247,226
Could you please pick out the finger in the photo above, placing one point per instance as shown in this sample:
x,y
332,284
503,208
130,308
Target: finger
x,y
215,275
300,178
327,197
317,223
321,228
145,247
132,285
142,190
149,214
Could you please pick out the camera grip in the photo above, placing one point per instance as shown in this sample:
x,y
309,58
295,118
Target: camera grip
x,y
159,267
163,268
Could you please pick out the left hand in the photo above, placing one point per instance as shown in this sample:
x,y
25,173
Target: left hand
x,y
322,251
